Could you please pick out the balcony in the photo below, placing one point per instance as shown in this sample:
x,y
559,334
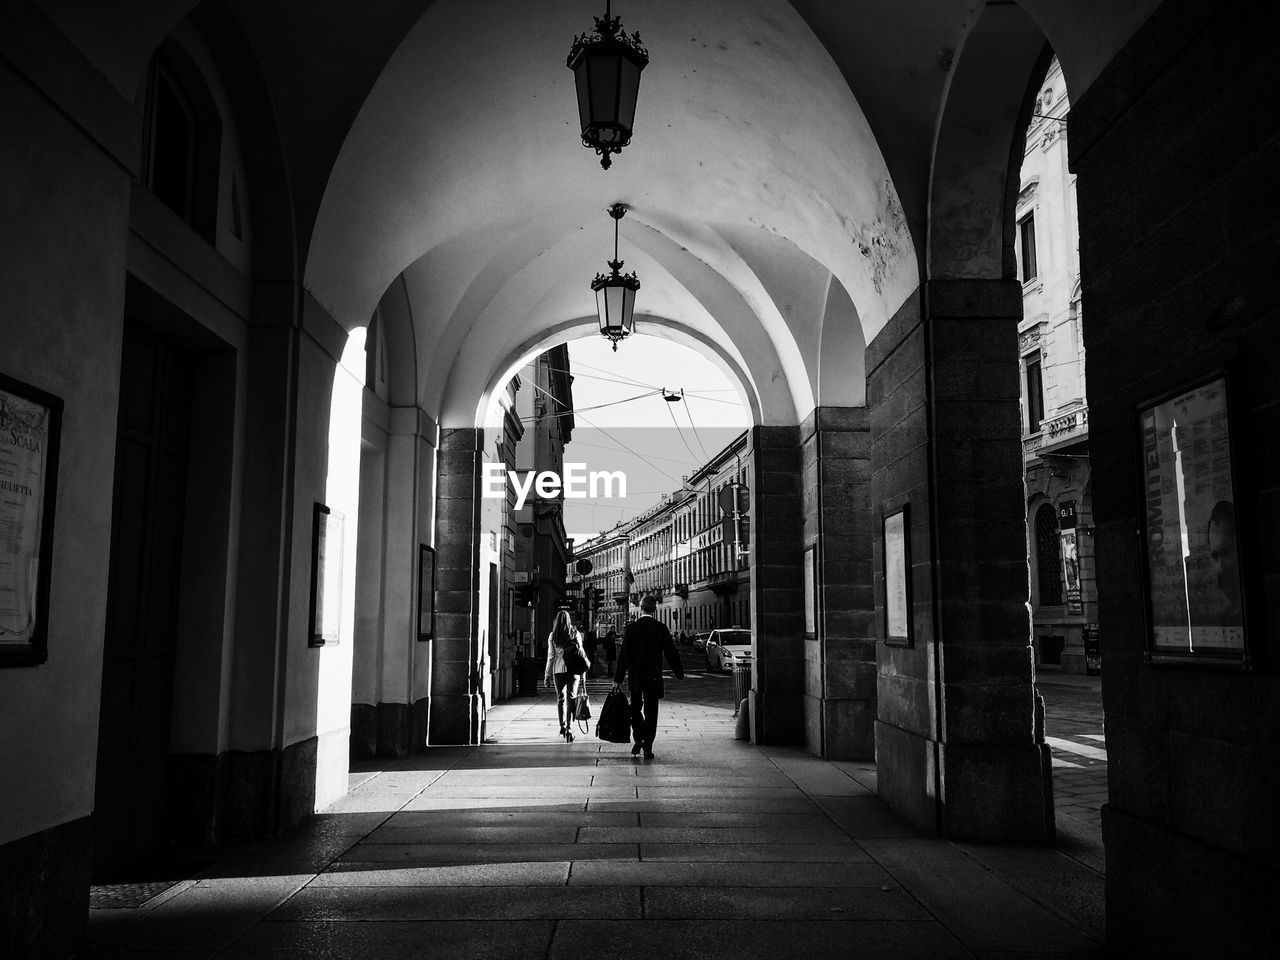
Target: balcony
x,y
1066,433
723,581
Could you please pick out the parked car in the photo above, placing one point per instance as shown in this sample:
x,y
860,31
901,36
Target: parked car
x,y
700,639
727,647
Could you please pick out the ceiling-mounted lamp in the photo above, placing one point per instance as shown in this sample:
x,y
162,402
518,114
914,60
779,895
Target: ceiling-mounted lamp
x,y
606,68
616,292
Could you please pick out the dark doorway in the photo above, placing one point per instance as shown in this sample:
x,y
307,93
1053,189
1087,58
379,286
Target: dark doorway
x,y
142,606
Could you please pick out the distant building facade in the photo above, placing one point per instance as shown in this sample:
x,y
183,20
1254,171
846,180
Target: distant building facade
x,y
681,551
524,551
1055,412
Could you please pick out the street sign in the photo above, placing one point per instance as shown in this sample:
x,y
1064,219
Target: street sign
x,y
584,566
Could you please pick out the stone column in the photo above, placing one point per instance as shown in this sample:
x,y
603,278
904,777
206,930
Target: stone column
x,y
840,656
777,581
455,707
957,748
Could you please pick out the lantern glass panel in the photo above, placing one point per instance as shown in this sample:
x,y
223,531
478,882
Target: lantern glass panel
x,y
602,308
603,70
628,92
616,297
628,307
584,95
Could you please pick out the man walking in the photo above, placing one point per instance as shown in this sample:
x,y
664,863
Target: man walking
x,y
644,643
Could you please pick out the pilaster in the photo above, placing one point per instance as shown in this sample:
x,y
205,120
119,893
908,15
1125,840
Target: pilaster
x,y
456,706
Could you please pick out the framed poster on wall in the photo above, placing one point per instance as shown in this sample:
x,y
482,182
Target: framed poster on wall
x,y
1190,535
897,579
326,575
30,426
426,592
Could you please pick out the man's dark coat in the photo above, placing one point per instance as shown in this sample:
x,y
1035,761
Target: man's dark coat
x,y
644,643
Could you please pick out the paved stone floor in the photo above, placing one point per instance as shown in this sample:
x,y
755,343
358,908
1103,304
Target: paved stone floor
x,y
530,847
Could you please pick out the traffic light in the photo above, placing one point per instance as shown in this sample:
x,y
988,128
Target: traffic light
x,y
526,596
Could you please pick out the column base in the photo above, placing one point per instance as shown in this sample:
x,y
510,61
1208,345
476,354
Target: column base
x,y
455,720
989,792
777,719
44,891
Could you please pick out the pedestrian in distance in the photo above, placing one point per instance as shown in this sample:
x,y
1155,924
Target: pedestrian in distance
x,y
566,665
645,642
610,649
592,644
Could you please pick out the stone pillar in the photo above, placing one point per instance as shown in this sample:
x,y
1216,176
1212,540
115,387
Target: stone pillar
x,y
777,581
840,656
956,745
455,707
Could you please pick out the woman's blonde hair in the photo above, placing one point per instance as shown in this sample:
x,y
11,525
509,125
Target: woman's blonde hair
x,y
563,632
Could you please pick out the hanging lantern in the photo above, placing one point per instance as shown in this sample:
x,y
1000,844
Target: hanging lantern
x,y
606,68
616,292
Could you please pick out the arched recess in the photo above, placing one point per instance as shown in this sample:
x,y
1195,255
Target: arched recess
x,y
957,702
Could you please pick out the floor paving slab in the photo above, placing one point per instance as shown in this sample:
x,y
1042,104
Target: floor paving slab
x,y
739,939
865,817
1061,885
437,940
710,803
462,903
494,874
429,802
405,854
719,835
982,910
203,917
720,818
469,833
722,874
415,819
780,903
755,852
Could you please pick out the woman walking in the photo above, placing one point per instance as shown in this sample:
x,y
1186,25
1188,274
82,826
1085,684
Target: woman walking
x,y
566,664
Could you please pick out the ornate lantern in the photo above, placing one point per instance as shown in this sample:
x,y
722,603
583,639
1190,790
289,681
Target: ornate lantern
x,y
606,68
616,292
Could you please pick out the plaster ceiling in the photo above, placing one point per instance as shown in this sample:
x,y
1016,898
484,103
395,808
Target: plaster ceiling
x,y
753,182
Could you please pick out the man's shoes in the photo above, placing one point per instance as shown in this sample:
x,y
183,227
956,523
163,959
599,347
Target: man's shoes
x,y
648,752
635,749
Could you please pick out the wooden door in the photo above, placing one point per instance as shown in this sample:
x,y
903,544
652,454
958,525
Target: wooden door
x,y
142,603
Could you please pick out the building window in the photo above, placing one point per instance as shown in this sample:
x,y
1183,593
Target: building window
x,y
1048,557
1035,395
182,141
171,154
1027,238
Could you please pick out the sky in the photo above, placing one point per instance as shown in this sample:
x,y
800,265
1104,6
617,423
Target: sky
x,y
622,422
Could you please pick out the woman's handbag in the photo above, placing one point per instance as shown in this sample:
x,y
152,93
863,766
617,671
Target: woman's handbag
x,y
582,710
614,724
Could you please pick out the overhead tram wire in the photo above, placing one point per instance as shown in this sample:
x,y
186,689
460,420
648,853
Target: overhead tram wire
x,y
621,446
599,406
680,431
696,394
689,413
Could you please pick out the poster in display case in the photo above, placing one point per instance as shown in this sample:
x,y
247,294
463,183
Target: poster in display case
x,y
1190,531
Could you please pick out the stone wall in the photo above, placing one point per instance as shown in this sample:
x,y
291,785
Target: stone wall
x,y
1178,257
